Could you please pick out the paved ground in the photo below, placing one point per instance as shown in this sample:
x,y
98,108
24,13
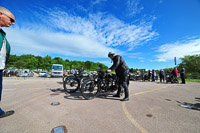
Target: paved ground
x,y
153,108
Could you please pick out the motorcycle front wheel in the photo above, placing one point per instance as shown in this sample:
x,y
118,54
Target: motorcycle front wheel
x,y
71,85
89,89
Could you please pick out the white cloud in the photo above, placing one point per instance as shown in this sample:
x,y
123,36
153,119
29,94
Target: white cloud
x,y
106,29
71,35
98,1
133,7
135,55
178,49
31,41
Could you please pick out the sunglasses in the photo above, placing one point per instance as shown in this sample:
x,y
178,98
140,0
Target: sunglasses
x,y
11,19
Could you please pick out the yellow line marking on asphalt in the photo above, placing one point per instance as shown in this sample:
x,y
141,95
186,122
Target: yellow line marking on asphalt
x,y
148,91
20,82
36,88
130,117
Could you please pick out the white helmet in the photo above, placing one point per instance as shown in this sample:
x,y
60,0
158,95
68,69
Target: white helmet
x,y
111,53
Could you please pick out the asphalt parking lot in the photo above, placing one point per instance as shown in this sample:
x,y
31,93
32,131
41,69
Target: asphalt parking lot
x,y
153,108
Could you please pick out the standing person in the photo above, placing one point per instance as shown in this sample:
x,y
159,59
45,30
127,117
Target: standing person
x,y
143,74
122,71
153,75
149,75
176,72
183,75
175,75
6,20
161,75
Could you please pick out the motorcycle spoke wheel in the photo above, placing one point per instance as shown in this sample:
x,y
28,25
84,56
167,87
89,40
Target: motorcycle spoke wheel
x,y
71,85
89,89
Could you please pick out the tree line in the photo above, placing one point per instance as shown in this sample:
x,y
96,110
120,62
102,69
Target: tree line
x,y
191,63
37,62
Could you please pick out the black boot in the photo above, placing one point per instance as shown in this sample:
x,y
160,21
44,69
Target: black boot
x,y
125,99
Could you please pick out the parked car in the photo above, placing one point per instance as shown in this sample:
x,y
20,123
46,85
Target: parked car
x,y
9,72
25,73
43,74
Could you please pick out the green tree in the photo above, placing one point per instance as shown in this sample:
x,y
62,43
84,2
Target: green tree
x,y
39,63
191,64
77,64
20,64
102,66
12,61
47,63
31,62
87,65
57,60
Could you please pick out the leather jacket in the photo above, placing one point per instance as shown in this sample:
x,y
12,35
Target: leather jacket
x,y
119,65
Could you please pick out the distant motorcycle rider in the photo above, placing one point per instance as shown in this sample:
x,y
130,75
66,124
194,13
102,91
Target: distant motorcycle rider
x,y
122,71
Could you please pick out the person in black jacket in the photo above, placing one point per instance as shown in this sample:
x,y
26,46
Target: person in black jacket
x,y
122,71
183,75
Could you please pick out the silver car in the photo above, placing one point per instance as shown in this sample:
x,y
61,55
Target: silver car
x,y
25,74
43,74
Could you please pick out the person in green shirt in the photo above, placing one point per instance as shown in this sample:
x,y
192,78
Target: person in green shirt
x,y
6,20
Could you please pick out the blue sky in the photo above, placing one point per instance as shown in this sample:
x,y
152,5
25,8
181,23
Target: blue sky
x,y
147,33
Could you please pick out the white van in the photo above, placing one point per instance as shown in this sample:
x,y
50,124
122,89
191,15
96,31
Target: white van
x,y
57,70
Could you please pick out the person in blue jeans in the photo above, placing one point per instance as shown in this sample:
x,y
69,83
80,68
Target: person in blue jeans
x,y
6,20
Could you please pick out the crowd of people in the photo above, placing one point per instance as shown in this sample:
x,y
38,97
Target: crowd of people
x,y
168,76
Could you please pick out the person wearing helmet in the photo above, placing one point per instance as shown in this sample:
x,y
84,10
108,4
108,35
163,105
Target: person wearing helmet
x,y
122,71
6,20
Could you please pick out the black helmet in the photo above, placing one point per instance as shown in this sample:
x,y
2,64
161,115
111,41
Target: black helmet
x,y
111,53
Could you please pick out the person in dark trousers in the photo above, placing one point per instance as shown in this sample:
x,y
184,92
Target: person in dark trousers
x,y
161,75
149,75
168,76
153,75
122,71
183,75
6,20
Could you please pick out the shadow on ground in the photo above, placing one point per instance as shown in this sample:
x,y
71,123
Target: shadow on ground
x,y
193,106
107,97
58,90
74,96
